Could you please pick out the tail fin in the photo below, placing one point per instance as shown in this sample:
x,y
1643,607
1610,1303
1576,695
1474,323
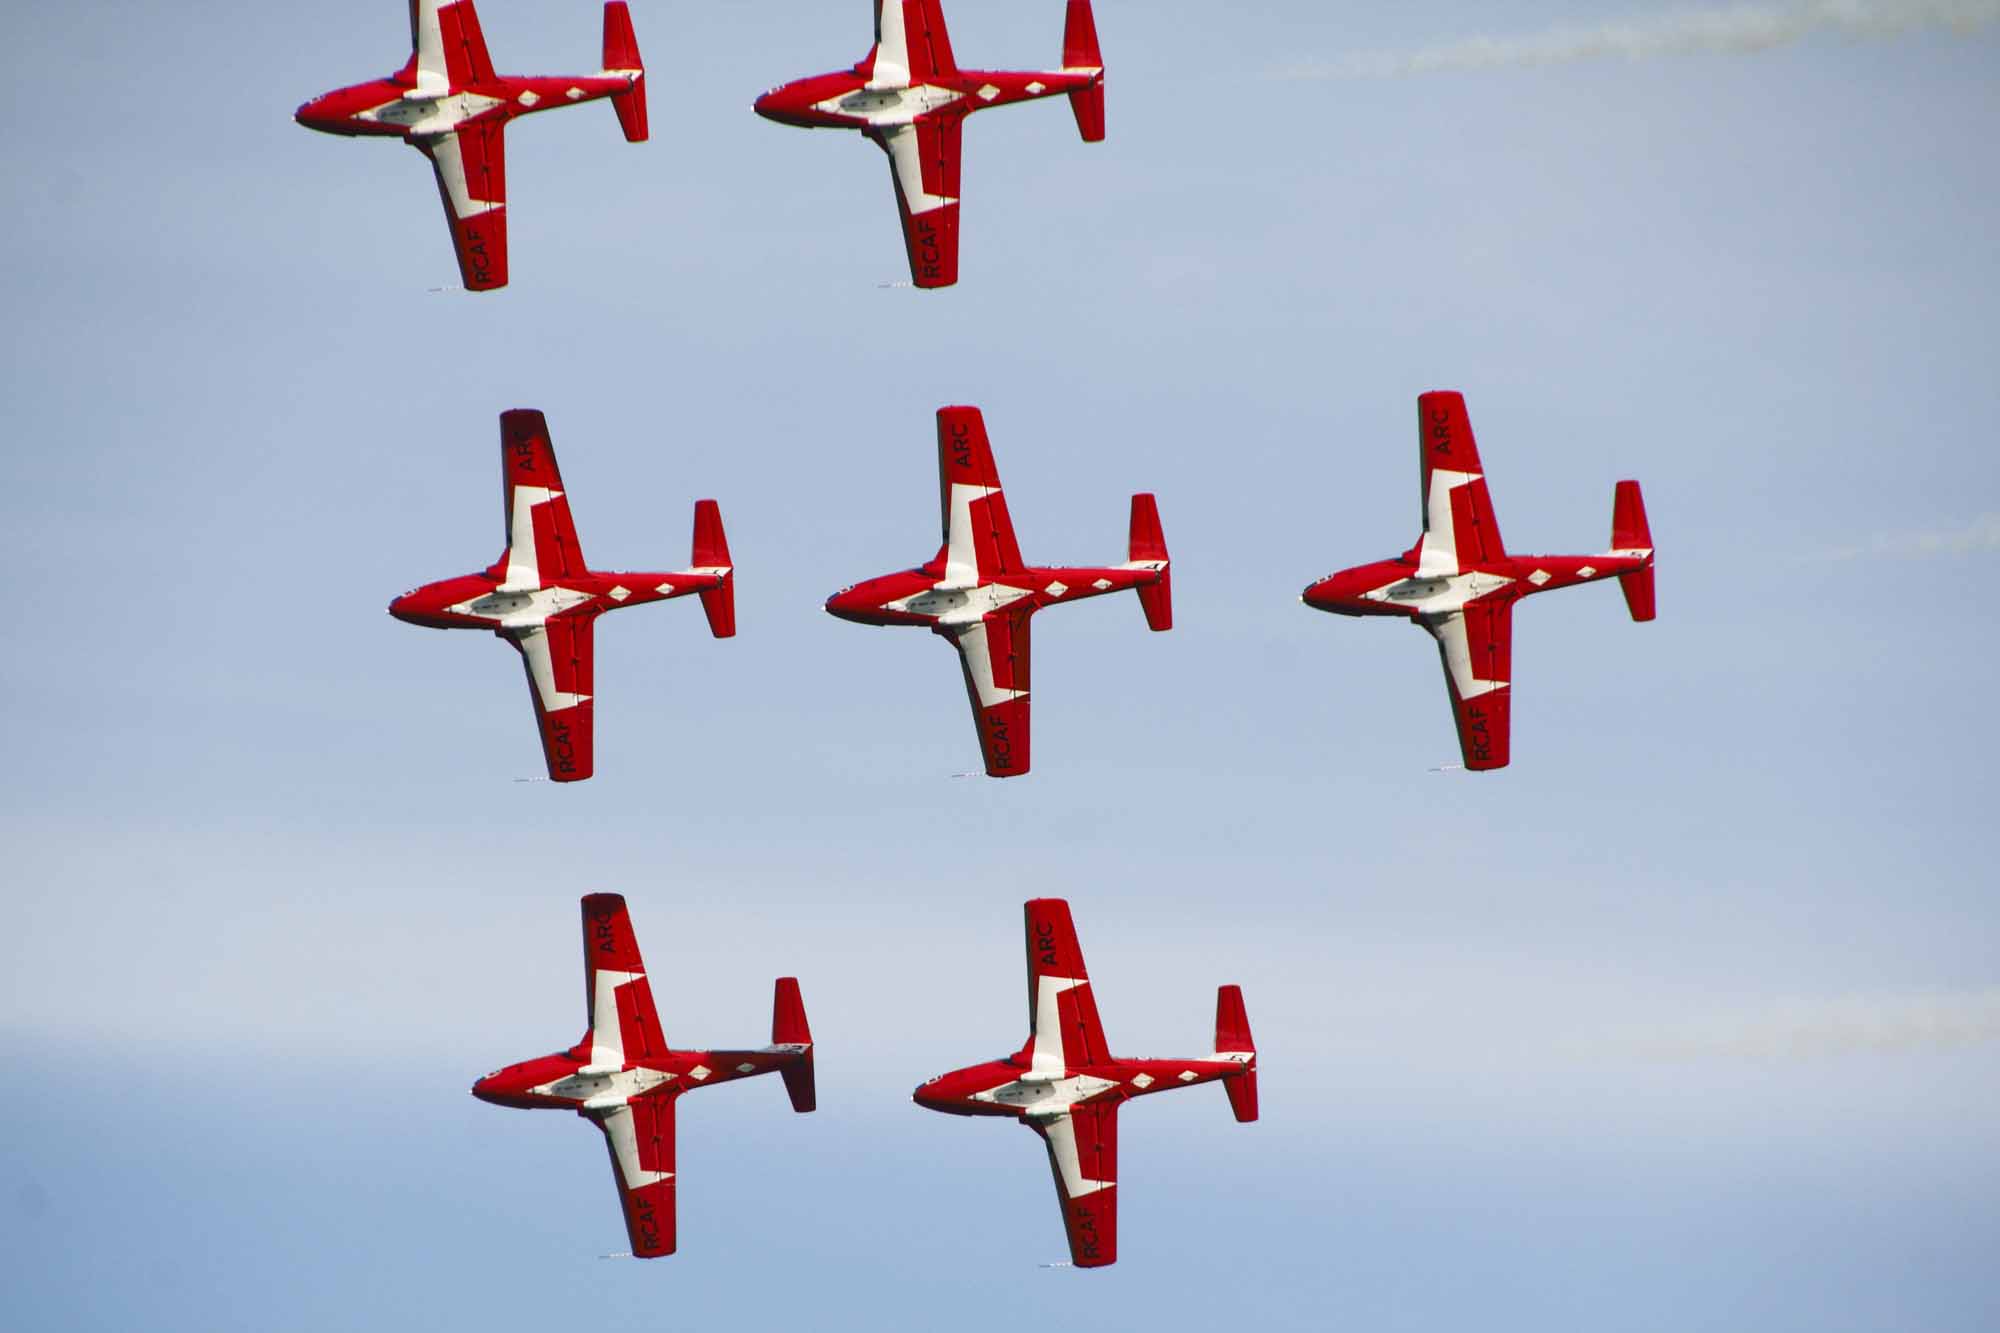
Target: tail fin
x,y
1080,52
711,551
621,54
1148,543
788,1028
1629,532
1232,1033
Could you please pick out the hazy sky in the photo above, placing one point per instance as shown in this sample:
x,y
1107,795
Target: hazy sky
x,y
1689,1019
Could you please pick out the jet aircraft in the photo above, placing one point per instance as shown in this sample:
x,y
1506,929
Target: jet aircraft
x,y
909,95
979,593
448,103
541,597
622,1077
1067,1086
1460,584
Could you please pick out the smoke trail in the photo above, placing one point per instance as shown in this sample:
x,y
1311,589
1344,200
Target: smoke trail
x,y
1982,534
1735,29
1804,1029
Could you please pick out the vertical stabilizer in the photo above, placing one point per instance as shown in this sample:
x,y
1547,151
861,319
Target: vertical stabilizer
x,y
1148,543
711,552
1080,53
1232,1036
621,56
1630,534
789,1028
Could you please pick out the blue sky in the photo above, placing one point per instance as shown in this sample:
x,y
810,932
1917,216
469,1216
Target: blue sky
x,y
1687,1019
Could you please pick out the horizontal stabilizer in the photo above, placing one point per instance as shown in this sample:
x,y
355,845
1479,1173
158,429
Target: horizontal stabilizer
x,y
1631,532
1232,1034
711,551
621,53
789,1028
1080,52
1147,542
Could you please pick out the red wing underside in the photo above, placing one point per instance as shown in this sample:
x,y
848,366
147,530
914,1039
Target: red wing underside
x,y
640,1138
1477,649
1056,972
1083,1158
630,1024
471,169
911,33
558,659
445,40
1462,517
923,160
541,536
978,531
994,655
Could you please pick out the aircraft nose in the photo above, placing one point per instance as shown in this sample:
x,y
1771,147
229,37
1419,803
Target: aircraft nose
x,y
780,104
485,1089
843,604
401,607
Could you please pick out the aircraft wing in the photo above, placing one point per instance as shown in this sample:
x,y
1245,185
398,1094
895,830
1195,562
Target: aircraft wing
x,y
1459,527
994,654
1062,1012
1083,1158
1476,646
449,48
541,535
978,532
923,159
471,169
911,44
624,1026
640,1136
558,659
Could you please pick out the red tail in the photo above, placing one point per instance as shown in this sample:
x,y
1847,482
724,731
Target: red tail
x,y
788,1028
1080,52
1147,542
1630,532
711,551
1232,1033
621,52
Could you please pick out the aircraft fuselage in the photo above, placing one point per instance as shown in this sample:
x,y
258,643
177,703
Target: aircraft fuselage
x,y
926,596
1013,1087
858,99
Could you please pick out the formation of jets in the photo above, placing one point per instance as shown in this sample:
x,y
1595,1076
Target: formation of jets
x,y
911,98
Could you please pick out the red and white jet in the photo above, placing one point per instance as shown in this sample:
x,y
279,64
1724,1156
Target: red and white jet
x,y
911,98
979,593
448,102
1460,583
540,596
1067,1086
622,1077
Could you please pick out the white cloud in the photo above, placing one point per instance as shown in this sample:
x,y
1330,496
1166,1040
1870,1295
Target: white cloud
x,y
1981,534
1731,29
1826,1027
